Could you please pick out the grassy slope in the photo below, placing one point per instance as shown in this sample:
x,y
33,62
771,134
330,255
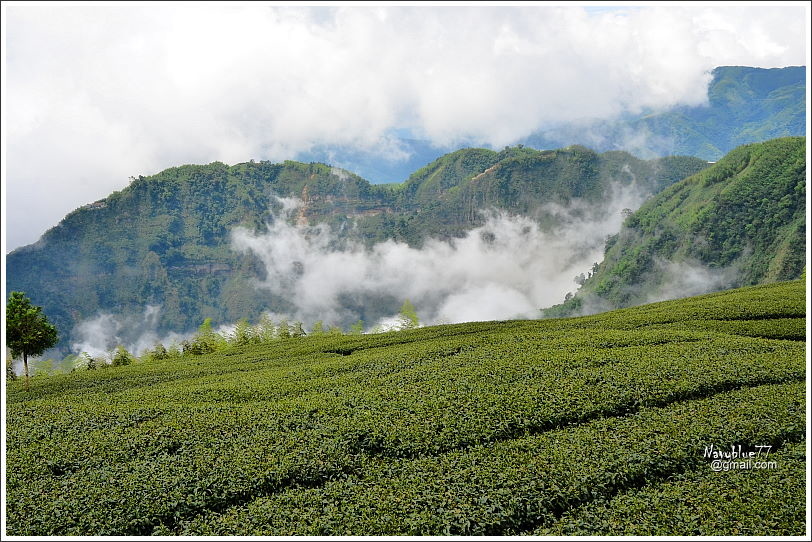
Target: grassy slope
x,y
486,428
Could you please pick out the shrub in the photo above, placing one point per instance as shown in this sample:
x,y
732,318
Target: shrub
x,y
121,357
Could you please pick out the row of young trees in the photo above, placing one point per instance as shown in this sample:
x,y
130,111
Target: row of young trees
x,y
30,334
266,330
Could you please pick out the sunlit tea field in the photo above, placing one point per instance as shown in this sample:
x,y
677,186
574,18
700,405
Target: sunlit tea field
x,y
640,421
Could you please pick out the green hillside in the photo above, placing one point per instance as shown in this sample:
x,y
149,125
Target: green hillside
x,y
165,239
450,192
594,425
740,222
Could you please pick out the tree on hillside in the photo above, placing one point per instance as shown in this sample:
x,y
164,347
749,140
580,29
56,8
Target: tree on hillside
x,y
158,353
84,361
243,333
28,332
207,340
266,330
357,328
297,330
121,357
408,316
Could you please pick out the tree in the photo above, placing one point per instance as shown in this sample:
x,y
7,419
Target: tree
x,y
158,353
297,330
283,331
408,316
357,328
28,332
243,333
174,350
83,361
121,357
317,329
206,340
266,331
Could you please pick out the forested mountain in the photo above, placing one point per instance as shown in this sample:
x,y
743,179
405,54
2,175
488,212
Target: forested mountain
x,y
166,239
740,222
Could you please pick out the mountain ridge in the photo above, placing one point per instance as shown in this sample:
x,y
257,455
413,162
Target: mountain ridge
x,y
165,239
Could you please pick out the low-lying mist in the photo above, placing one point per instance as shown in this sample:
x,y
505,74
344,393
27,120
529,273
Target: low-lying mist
x,y
98,336
507,268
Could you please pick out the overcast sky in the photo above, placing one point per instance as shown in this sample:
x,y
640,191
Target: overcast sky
x,y
95,94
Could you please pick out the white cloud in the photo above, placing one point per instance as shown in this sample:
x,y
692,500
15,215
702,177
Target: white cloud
x,y
690,278
99,336
96,94
507,268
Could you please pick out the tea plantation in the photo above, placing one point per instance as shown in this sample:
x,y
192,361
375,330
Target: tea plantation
x,y
594,425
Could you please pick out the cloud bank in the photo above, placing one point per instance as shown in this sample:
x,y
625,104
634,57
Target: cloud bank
x,y
507,268
689,278
95,94
99,336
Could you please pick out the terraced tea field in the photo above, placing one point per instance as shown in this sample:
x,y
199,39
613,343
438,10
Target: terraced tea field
x,y
596,425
